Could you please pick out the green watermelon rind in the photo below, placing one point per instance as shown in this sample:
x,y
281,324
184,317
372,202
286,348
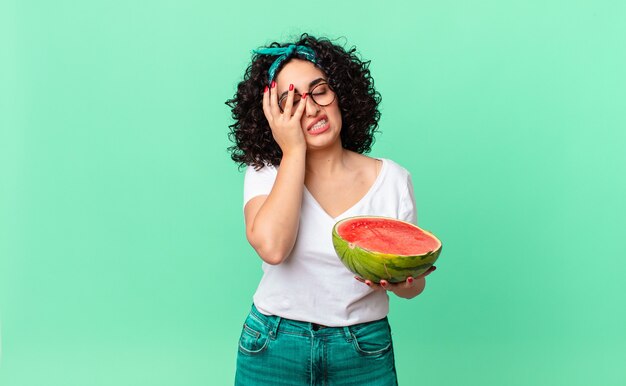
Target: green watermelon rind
x,y
376,266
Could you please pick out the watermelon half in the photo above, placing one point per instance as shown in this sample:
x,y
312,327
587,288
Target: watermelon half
x,y
377,248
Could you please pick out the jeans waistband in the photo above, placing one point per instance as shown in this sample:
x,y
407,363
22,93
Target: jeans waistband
x,y
290,326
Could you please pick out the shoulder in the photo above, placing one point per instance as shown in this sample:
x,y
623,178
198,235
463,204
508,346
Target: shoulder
x,y
364,162
391,168
395,169
263,177
267,171
258,182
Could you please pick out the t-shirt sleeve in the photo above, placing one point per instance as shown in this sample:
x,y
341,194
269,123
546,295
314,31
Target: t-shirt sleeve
x,y
258,182
408,209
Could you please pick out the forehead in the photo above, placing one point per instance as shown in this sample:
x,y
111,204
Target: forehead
x,y
299,72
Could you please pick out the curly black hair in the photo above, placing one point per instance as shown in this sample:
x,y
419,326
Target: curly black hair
x,y
348,76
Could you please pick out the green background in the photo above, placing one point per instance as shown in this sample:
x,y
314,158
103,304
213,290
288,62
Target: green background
x,y
123,258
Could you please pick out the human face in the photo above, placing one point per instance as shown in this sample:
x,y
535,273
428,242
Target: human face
x,y
305,76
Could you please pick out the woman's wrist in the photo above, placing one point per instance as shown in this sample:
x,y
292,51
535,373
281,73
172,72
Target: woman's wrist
x,y
294,152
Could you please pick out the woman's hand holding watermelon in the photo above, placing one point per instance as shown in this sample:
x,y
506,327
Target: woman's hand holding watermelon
x,y
408,289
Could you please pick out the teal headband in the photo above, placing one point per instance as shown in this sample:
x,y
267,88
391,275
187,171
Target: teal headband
x,y
284,53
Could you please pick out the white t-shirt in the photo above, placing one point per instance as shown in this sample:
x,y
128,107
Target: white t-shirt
x,y
312,284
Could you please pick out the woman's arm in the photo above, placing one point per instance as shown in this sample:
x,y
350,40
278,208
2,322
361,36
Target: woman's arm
x,y
272,221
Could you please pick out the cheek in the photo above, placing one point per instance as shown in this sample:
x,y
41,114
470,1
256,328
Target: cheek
x,y
336,114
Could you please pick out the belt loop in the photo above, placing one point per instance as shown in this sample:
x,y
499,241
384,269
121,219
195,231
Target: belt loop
x,y
347,333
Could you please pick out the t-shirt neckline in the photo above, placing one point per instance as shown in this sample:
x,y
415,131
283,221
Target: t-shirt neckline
x,y
372,188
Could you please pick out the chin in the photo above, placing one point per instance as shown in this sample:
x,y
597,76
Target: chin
x,y
322,141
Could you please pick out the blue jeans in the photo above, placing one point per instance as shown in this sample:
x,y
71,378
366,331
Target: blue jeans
x,y
279,352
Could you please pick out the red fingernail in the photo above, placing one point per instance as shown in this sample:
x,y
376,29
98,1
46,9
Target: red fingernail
x,y
273,84
434,268
410,280
368,283
304,95
266,88
291,87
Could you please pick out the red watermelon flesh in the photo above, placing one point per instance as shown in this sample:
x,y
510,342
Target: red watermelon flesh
x,y
390,237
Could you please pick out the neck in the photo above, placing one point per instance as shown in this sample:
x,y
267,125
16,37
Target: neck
x,y
325,162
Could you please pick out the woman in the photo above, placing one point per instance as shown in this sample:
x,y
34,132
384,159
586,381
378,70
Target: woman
x,y
304,115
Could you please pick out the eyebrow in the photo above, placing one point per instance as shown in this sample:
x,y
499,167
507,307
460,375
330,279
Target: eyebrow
x,y
311,84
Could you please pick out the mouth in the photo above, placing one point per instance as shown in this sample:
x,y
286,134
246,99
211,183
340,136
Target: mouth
x,y
318,124
320,127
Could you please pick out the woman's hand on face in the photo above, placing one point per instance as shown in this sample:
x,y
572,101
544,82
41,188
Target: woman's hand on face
x,y
384,285
286,128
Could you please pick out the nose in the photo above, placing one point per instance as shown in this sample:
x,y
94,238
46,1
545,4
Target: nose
x,y
311,108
